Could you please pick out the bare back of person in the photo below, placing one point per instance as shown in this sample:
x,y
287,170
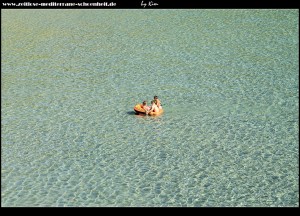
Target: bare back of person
x,y
153,108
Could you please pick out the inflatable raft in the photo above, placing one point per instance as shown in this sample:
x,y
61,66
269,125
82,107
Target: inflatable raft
x,y
139,110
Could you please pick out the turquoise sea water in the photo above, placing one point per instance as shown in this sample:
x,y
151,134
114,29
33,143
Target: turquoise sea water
x,y
228,82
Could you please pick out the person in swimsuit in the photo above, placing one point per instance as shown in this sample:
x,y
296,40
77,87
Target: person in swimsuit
x,y
157,102
144,106
153,108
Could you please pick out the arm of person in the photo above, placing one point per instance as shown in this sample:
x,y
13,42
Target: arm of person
x,y
152,108
159,103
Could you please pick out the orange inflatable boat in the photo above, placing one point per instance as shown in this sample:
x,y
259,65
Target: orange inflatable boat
x,y
139,110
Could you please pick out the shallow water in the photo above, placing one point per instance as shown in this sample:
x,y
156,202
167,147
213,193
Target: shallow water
x,y
228,82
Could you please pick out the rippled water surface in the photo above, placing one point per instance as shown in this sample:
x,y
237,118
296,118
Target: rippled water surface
x,y
228,82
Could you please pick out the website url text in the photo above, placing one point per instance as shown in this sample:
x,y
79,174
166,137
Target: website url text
x,y
60,4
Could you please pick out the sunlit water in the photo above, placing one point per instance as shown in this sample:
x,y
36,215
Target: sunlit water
x,y
228,82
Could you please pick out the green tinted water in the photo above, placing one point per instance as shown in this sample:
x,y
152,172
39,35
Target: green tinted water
x,y
228,82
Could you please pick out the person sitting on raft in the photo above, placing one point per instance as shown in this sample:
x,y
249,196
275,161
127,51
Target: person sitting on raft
x,y
157,102
144,106
153,108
